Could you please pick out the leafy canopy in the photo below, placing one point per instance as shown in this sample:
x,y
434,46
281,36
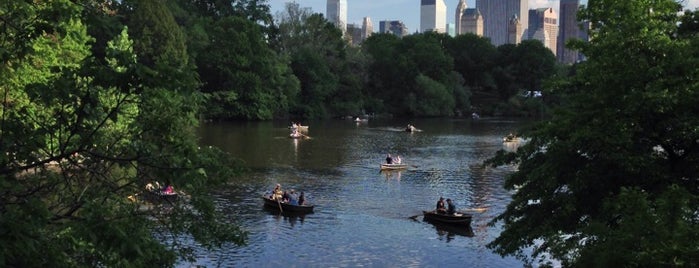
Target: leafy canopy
x,y
611,179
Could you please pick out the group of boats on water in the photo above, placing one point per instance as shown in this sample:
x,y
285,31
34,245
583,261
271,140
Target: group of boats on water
x,y
284,203
459,220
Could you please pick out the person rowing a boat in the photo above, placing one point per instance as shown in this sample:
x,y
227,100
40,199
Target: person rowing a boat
x,y
451,207
277,192
441,208
389,159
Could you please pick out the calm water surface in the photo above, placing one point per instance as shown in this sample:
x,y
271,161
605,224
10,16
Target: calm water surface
x,y
362,216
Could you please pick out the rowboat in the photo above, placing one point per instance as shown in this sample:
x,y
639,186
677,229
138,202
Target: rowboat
x,y
360,120
393,166
459,219
299,128
157,196
510,138
286,207
297,135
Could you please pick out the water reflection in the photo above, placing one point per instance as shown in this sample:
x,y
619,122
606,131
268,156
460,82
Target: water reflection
x,y
288,217
392,174
449,232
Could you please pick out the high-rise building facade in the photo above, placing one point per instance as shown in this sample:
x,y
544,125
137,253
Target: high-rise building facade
x,y
472,22
337,13
543,26
354,33
568,26
395,27
367,28
460,8
514,30
497,16
433,16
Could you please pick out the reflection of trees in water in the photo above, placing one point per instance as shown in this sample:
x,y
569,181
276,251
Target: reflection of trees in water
x,y
487,184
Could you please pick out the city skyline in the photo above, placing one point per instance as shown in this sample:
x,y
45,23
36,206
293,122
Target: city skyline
x,y
407,11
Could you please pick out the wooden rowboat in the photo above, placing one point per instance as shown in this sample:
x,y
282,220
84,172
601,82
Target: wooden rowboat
x,y
461,219
393,166
298,135
286,207
299,128
157,196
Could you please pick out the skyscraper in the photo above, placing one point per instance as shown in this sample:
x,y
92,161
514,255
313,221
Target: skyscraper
x,y
367,28
433,16
472,22
543,26
460,8
497,16
354,33
395,27
337,13
514,30
569,28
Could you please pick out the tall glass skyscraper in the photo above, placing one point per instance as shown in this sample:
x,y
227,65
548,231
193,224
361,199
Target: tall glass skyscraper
x,y
568,26
497,15
337,13
433,16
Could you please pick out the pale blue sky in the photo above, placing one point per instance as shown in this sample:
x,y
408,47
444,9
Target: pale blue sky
x,y
407,11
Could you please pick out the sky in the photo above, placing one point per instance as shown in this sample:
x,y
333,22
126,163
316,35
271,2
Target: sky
x,y
407,11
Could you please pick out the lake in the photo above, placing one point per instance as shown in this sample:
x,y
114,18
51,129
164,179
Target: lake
x,y
363,217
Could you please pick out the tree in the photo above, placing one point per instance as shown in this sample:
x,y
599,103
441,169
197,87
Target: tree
x,y
475,60
611,178
331,81
73,133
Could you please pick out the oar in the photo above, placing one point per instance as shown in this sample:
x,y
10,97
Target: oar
x,y
414,217
280,205
479,210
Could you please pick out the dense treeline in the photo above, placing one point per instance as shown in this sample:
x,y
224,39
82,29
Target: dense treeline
x,y
299,65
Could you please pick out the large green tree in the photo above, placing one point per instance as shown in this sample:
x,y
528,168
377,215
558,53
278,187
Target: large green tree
x,y
74,130
331,74
611,179
474,58
241,76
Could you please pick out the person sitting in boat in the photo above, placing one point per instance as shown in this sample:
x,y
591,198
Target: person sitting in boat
x,y
410,128
389,159
510,137
292,198
285,196
451,208
277,192
168,190
397,160
302,199
441,208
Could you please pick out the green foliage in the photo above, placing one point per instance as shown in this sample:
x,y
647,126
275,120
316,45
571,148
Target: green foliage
x,y
241,76
611,180
331,75
436,100
79,135
474,58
